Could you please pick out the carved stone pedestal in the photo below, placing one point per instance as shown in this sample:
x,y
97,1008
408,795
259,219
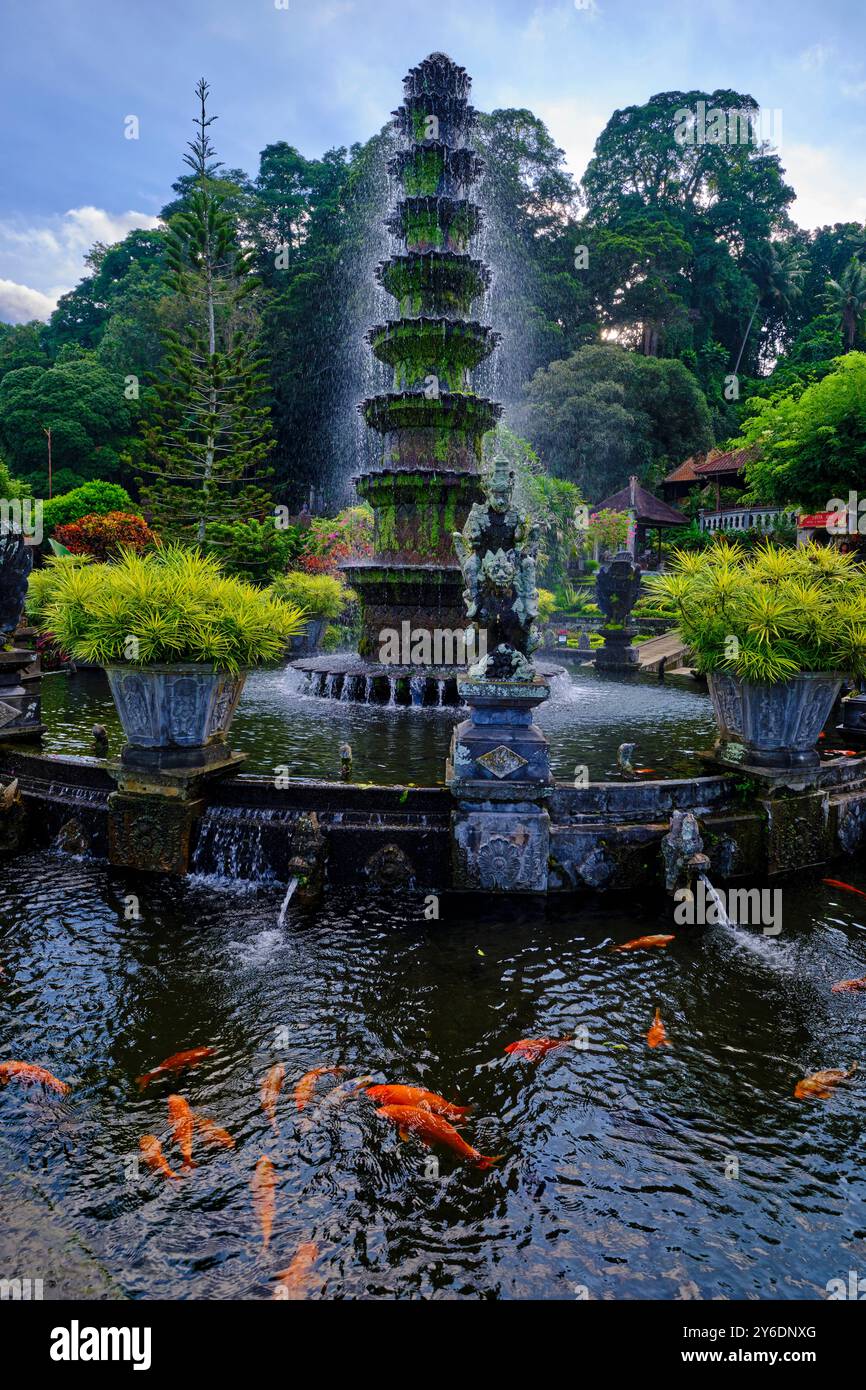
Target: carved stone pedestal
x,y
499,774
153,816
20,697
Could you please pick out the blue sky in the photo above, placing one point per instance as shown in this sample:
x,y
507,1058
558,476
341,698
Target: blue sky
x,y
319,73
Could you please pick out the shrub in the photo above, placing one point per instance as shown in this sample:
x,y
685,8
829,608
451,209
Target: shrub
x,y
332,540
771,613
254,550
176,603
546,605
92,498
41,583
319,595
104,537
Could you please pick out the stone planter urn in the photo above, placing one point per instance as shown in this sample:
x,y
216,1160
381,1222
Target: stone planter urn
x,y
772,726
307,643
174,716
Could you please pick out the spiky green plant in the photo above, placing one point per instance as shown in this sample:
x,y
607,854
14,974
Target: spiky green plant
x,y
767,615
175,604
40,585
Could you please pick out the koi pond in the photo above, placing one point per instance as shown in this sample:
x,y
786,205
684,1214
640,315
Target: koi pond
x,y
277,725
688,1171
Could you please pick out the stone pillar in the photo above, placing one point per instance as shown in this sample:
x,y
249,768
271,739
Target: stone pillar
x,y
617,588
153,816
20,697
499,774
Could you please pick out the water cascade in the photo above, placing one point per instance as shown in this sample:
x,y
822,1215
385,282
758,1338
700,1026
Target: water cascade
x,y
431,423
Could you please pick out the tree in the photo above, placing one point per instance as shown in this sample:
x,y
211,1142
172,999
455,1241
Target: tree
x,y
21,345
605,413
90,419
846,297
778,270
654,174
812,441
209,430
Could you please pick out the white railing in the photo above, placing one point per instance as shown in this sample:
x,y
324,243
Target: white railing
x,y
748,519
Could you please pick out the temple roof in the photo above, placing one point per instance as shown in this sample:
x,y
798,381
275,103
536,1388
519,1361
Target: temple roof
x,y
649,510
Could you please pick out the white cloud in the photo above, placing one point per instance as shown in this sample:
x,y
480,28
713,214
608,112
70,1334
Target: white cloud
x,y
574,128
40,262
20,304
830,187
811,59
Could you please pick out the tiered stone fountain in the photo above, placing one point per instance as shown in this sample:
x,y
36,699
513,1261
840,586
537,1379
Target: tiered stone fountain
x,y
432,423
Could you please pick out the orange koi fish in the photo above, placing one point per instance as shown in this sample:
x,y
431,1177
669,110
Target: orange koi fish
x,y
180,1117
533,1049
212,1134
645,770
432,1129
179,1062
657,1037
307,1084
644,943
844,986
819,1085
264,1189
292,1283
151,1152
31,1075
422,1100
848,887
269,1092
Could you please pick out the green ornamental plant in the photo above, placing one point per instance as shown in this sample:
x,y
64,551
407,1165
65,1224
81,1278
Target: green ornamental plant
x,y
768,614
40,585
177,605
319,595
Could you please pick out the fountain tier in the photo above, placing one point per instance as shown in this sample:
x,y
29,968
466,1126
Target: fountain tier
x,y
431,422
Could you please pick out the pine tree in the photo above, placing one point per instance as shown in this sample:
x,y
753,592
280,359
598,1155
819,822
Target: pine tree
x,y
209,433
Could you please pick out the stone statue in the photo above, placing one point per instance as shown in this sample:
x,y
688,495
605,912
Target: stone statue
x,y
16,562
497,550
617,587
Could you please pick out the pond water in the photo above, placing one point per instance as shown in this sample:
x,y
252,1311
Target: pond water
x,y
276,725
615,1176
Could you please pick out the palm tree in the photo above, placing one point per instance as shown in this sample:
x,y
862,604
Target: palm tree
x,y
847,298
778,270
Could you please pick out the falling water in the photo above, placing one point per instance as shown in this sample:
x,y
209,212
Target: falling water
x,y
290,893
715,898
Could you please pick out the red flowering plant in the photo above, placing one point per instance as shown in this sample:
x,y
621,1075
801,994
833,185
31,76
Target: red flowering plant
x,y
104,537
331,540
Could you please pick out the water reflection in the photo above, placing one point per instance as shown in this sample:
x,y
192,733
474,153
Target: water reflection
x,y
278,726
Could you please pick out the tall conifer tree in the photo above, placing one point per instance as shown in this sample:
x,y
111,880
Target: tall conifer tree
x,y
209,435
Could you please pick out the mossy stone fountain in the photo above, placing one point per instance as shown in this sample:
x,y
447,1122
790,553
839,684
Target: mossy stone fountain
x,y
432,423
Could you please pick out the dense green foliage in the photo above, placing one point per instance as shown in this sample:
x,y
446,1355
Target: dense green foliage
x,y
605,413
813,440
768,614
169,605
319,595
628,305
90,499
90,419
